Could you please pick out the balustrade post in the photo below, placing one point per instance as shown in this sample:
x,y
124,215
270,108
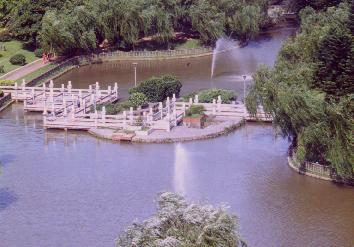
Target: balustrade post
x,y
161,110
190,102
69,87
219,103
214,106
124,118
45,111
32,94
131,115
196,99
51,84
62,89
90,89
150,115
44,90
103,113
184,108
23,84
116,89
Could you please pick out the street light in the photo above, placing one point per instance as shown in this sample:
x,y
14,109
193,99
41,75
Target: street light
x,y
244,87
135,65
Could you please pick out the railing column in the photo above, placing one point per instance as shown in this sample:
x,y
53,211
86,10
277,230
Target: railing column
x,y
214,106
103,113
131,114
219,103
161,110
190,102
69,87
184,108
124,118
196,99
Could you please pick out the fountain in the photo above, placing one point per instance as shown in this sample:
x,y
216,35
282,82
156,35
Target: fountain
x,y
222,45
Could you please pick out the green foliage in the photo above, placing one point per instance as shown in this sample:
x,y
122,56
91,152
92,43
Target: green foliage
x,y
18,59
180,223
207,95
25,19
6,82
68,26
2,70
310,91
195,111
115,108
138,99
157,89
38,52
246,22
1,93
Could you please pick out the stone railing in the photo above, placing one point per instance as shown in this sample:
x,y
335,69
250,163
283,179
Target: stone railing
x,y
312,169
164,54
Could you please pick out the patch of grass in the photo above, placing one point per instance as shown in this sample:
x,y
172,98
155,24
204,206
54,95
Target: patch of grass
x,y
14,47
189,44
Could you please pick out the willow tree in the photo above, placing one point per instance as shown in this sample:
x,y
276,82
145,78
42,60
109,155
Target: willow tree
x,y
310,92
208,21
69,31
117,21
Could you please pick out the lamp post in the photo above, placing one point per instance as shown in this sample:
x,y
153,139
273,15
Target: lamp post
x,y
244,87
135,65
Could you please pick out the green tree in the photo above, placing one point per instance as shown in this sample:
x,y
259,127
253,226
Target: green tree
x,y
310,91
180,223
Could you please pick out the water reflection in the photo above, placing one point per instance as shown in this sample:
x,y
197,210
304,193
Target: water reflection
x,y
181,170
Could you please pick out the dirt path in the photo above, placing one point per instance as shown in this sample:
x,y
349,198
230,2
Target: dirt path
x,y
22,71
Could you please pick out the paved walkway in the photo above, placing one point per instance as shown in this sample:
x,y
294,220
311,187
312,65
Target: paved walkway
x,y
24,70
177,134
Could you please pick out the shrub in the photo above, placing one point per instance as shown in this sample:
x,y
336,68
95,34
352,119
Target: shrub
x,y
2,70
38,52
1,93
1,55
138,99
6,82
5,36
207,96
18,59
180,223
195,111
157,89
115,108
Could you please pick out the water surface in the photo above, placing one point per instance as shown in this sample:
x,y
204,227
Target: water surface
x,y
70,189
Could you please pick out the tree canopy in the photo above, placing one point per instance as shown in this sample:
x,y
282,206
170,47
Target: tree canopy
x,y
180,223
124,22
310,91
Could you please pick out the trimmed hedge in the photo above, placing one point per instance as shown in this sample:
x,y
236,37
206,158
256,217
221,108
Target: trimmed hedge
x,y
18,59
157,89
7,82
207,96
195,111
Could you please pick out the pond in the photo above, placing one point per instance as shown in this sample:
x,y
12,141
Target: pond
x,y
70,189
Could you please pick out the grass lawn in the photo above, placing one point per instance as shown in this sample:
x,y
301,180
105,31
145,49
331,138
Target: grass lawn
x,y
189,44
12,48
